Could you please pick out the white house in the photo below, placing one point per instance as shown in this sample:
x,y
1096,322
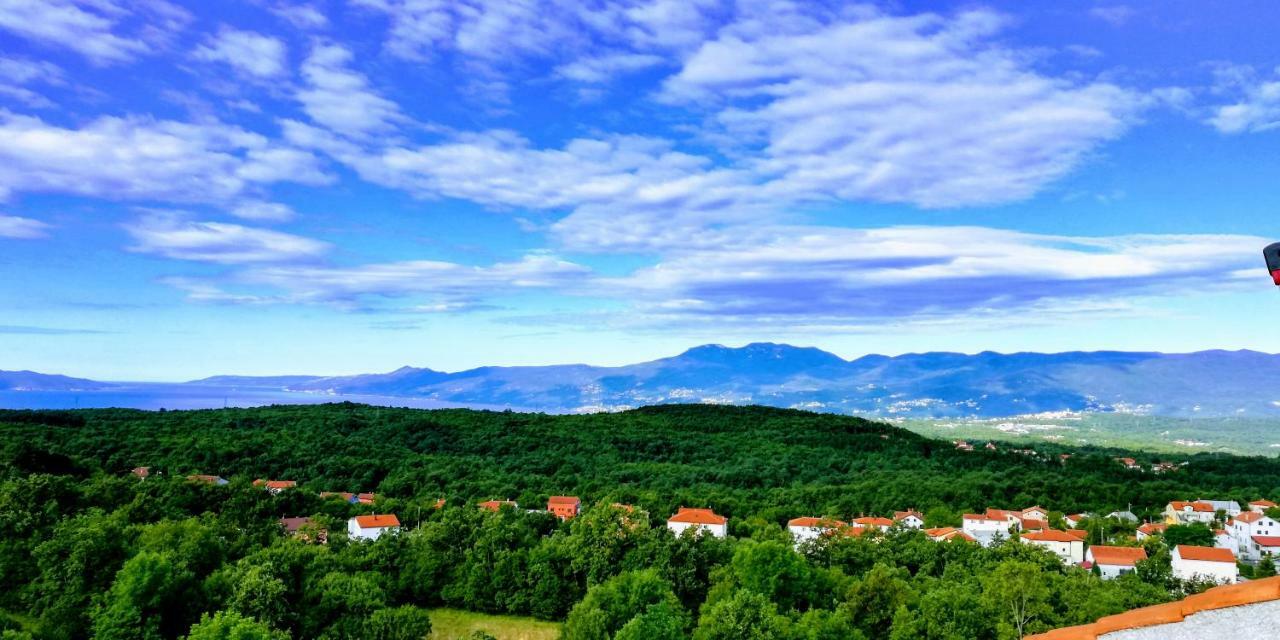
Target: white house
x,y
1230,507
1204,563
1074,519
1113,562
1246,526
1222,539
1264,546
1035,513
984,527
1180,512
1261,506
806,529
1068,548
702,520
372,527
909,519
945,534
873,522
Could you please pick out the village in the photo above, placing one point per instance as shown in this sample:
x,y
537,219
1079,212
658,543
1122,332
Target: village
x,y
1241,534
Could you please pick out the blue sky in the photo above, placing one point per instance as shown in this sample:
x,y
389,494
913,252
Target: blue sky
x,y
263,186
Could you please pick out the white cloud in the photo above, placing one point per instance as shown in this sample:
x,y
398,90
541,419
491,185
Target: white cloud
x,y
1257,108
923,109
604,67
1116,15
173,235
22,228
262,211
141,158
89,27
448,287
16,73
252,53
832,276
303,16
340,98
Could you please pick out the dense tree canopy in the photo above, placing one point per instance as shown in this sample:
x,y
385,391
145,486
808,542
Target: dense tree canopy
x,y
90,550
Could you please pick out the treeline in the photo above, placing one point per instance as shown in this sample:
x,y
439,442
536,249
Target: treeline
x,y
88,550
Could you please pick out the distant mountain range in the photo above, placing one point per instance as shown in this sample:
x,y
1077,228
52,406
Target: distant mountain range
x,y
1206,383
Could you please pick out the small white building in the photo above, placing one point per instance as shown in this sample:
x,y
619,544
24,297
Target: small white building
x,y
1068,548
1074,519
1204,563
1261,506
910,519
372,527
805,529
1113,562
1180,512
702,520
985,528
1264,546
1035,513
1230,507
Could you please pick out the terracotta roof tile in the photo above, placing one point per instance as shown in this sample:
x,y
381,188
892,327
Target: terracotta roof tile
x,y
697,516
1050,535
1232,595
1267,541
873,522
1117,556
1262,503
1152,528
1204,554
1195,506
564,500
808,521
378,521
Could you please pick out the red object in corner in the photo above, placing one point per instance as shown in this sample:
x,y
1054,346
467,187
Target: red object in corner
x,y
1275,277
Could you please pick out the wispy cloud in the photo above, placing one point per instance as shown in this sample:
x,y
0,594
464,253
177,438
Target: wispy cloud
x,y
174,235
141,158
1257,101
44,331
254,54
22,228
104,31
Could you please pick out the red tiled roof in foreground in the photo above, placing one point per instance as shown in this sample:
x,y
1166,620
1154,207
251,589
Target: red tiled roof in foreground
x,y
1231,595
697,516
378,521
1118,556
1205,554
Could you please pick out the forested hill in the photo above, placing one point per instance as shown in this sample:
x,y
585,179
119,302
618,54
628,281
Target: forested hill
x,y
742,460
89,550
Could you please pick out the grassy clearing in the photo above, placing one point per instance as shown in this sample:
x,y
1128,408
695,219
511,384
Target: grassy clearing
x,y
455,624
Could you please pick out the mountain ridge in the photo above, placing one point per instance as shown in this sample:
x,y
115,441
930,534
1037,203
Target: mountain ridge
x,y
925,384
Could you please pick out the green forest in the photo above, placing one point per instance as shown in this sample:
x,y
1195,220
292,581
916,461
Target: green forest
x,y
89,550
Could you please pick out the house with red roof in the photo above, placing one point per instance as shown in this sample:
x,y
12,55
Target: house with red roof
x,y
986,527
947,534
873,522
1249,525
1035,513
207,479
1204,563
1264,546
808,528
372,527
1261,506
1074,519
564,507
700,520
1113,562
142,473
910,519
1068,548
1150,529
1188,512
274,487
497,505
